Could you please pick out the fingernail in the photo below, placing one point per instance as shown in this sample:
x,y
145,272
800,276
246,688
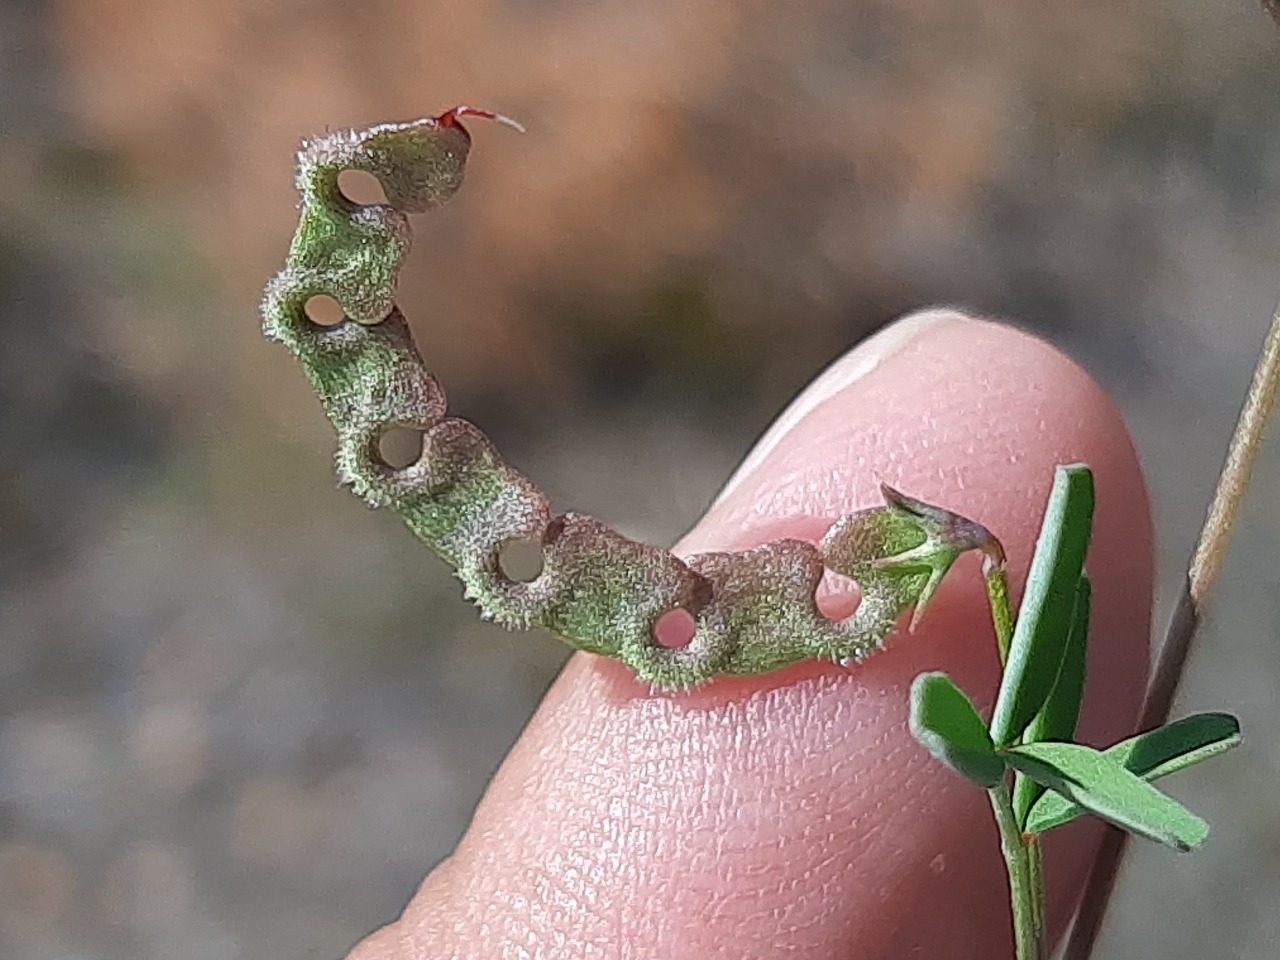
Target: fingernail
x,y
850,368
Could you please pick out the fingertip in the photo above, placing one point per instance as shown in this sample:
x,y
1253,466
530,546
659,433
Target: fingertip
x,y
949,407
383,944
844,372
793,814
974,415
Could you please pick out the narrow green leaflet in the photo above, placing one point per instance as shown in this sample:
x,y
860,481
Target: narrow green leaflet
x,y
1105,788
944,721
1177,746
1057,718
1150,755
1044,620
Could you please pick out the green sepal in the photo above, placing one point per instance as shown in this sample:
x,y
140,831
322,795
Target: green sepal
x,y
947,535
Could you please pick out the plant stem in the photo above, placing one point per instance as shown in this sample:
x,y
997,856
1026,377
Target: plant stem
x,y
1206,564
1035,860
1026,894
1219,524
1001,611
1021,858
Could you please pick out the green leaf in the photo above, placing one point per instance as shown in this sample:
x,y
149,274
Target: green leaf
x,y
1156,753
944,721
1178,745
1057,718
1044,621
1105,788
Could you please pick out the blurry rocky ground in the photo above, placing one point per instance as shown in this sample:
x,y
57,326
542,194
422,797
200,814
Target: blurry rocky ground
x,y
239,714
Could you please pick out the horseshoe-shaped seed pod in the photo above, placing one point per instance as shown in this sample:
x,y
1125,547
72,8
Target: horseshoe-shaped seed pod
x,y
751,611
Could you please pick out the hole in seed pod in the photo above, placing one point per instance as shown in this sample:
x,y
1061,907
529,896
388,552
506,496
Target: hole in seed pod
x,y
361,187
398,447
675,629
324,311
520,561
837,595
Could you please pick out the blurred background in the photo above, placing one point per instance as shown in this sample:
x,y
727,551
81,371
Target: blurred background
x,y
240,715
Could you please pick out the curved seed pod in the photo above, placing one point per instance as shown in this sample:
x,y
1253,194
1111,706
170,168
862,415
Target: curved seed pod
x,y
753,611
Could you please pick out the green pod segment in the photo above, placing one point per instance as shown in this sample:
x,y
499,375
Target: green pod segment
x,y
752,611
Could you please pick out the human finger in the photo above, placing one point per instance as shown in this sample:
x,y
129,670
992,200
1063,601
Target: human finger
x,y
792,814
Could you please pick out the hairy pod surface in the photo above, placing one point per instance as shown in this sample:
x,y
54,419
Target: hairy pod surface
x,y
752,611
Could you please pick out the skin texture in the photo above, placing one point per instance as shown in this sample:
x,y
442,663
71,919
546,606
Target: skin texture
x,y
791,814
